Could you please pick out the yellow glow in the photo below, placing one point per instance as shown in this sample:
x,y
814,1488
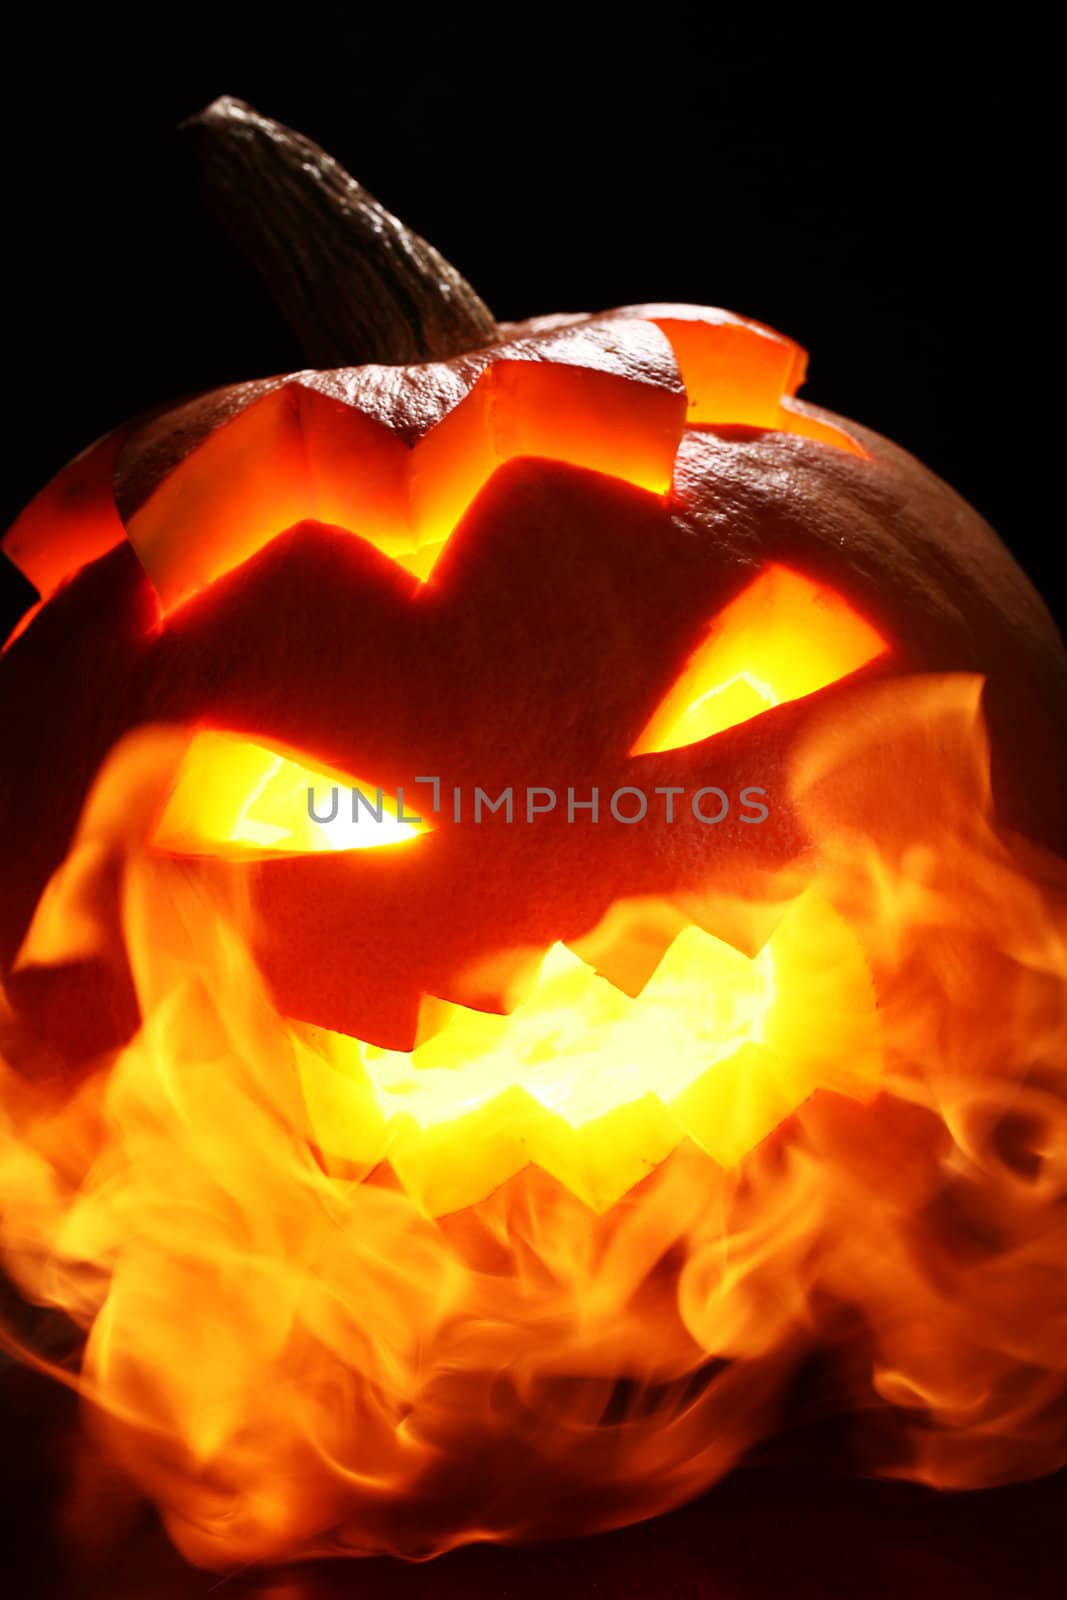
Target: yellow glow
x,y
578,1045
597,1087
294,1355
304,450
296,454
239,799
783,637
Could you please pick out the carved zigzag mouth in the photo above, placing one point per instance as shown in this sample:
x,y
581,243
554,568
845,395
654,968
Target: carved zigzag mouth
x,y
644,1033
597,1086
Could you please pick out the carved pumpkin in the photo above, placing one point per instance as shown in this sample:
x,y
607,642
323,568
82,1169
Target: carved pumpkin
x,y
607,553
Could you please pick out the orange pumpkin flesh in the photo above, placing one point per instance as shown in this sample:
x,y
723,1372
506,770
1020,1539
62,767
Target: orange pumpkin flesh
x,y
607,551
601,589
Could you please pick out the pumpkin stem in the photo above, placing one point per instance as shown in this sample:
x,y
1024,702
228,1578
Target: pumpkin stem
x,y
354,284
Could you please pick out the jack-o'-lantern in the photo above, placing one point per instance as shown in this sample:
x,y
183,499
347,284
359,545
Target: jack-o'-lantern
x,y
507,912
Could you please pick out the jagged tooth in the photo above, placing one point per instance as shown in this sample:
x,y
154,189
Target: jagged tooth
x,y
447,1166
602,1160
629,943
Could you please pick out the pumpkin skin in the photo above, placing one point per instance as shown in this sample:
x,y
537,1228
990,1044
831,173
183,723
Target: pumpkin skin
x,y
563,606
493,567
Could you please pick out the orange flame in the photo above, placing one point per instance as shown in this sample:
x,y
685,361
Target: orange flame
x,y
552,1271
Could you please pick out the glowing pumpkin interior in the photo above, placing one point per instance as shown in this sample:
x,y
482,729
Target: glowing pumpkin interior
x,y
387,1259
592,1084
288,456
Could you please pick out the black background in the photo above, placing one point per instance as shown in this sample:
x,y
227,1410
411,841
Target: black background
x,y
875,189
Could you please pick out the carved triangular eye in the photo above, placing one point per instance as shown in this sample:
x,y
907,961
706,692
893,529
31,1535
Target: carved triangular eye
x,y
238,799
781,638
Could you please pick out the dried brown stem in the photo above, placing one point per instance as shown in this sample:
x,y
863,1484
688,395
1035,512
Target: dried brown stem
x,y
353,282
